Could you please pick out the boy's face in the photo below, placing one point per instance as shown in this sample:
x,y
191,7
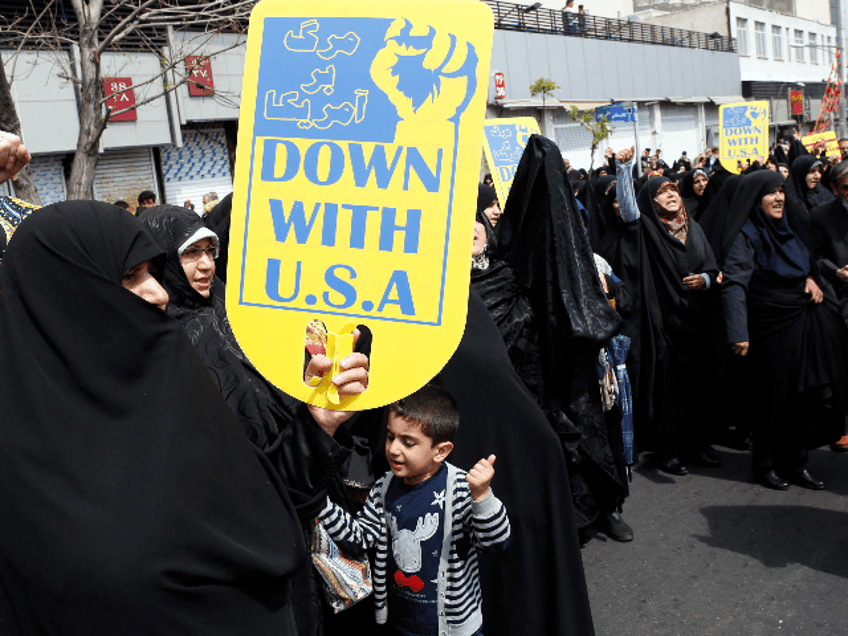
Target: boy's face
x,y
411,454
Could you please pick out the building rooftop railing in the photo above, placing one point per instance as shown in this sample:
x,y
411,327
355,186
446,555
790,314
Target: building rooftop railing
x,y
532,19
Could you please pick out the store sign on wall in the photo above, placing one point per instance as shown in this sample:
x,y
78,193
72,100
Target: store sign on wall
x,y
796,102
120,97
359,148
201,83
500,86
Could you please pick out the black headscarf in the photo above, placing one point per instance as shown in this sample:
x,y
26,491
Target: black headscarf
x,y
776,246
717,214
485,195
545,243
133,504
695,204
749,192
218,220
263,410
604,219
797,191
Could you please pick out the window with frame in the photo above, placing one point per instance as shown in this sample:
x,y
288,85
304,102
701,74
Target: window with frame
x,y
742,36
799,46
812,39
760,38
777,42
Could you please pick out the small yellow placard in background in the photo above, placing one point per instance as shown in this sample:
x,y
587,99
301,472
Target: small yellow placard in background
x,y
828,137
505,140
743,133
355,189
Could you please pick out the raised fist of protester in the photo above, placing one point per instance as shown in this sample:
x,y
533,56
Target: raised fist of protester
x,y
625,155
480,477
13,156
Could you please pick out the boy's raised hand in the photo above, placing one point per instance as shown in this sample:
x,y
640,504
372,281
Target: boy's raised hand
x,y
479,478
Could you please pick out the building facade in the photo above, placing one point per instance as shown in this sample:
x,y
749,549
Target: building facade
x,y
783,45
182,146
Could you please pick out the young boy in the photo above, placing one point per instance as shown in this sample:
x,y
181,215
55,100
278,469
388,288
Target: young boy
x,y
426,519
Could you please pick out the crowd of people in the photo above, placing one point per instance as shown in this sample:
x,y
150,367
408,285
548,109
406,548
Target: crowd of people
x,y
163,485
730,311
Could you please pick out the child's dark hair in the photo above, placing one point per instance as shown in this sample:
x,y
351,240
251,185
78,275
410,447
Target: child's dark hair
x,y
434,409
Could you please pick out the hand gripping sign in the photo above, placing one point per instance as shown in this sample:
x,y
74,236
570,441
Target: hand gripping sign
x,y
743,133
358,153
505,140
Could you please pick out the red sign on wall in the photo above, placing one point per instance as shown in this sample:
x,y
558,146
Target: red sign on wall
x,y
200,81
500,86
120,97
796,102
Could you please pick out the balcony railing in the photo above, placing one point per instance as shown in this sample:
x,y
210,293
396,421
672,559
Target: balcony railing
x,y
519,17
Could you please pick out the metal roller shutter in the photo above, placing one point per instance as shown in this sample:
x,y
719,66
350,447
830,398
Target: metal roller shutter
x,y
679,131
122,174
49,177
202,165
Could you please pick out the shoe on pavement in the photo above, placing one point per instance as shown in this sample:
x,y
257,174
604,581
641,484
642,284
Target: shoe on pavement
x,y
708,459
673,466
803,478
615,527
772,480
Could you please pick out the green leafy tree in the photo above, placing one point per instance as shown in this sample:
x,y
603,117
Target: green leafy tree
x,y
600,129
543,87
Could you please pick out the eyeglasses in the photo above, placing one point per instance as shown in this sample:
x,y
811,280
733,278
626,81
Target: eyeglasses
x,y
193,254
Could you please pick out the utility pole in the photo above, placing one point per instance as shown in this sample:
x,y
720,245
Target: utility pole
x,y
638,155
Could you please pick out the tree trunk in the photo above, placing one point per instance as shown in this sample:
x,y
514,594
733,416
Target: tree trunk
x,y
23,184
92,122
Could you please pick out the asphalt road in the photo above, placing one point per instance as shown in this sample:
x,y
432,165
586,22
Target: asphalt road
x,y
715,554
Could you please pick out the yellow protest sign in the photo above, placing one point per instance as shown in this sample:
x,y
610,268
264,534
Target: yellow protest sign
x,y
743,133
828,138
505,140
355,189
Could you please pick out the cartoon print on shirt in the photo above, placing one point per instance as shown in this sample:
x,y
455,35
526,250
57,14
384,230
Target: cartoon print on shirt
x,y
406,544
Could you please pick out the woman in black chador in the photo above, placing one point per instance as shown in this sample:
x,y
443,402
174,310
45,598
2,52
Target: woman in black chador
x,y
133,504
668,266
789,329
543,290
294,441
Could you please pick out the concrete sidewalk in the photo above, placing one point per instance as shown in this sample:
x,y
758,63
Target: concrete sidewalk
x,y
715,554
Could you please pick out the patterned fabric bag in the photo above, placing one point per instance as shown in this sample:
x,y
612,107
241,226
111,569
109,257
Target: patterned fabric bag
x,y
347,580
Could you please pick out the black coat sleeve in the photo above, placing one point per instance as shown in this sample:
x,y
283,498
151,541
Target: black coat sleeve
x,y
738,268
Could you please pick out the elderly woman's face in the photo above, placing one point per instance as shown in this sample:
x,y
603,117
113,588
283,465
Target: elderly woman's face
x,y
140,281
699,184
813,177
773,203
198,261
668,198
